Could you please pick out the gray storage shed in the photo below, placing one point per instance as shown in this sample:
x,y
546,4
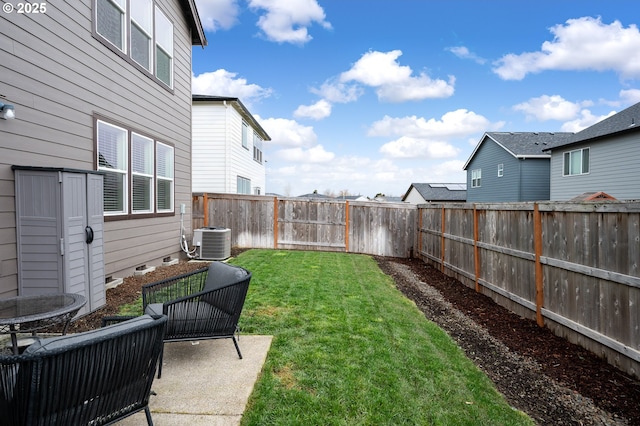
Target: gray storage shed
x,y
60,229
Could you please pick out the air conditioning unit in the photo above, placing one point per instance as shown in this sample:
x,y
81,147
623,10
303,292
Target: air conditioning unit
x,y
212,243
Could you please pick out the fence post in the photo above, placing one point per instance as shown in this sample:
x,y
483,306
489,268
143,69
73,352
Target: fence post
x,y
537,242
275,223
346,228
419,232
205,208
476,250
442,241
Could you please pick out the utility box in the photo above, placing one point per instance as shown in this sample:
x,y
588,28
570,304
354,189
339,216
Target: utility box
x,y
212,243
60,227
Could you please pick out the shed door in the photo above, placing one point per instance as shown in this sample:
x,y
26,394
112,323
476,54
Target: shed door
x,y
38,232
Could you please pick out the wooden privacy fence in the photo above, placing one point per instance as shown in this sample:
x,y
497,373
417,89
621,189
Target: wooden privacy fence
x,y
384,229
574,267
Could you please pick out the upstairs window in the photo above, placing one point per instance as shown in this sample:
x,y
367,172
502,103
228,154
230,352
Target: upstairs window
x,y
500,170
576,162
139,31
164,49
245,135
110,22
476,178
257,148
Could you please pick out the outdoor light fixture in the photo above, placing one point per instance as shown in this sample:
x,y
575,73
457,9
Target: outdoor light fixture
x,y
7,111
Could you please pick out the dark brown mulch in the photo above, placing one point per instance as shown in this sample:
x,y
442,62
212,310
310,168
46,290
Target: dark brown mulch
x,y
569,364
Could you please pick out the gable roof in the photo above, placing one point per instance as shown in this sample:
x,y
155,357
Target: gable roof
x,y
197,32
440,191
239,106
627,120
523,145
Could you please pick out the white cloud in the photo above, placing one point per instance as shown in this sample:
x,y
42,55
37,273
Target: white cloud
x,y
317,111
395,83
218,14
630,96
224,83
287,21
288,133
337,92
408,147
581,44
456,123
316,154
464,53
585,120
547,107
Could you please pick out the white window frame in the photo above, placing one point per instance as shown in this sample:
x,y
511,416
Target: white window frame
x,y
568,162
245,135
161,34
154,161
500,170
121,5
476,178
121,167
142,168
243,185
166,46
257,148
166,175
140,24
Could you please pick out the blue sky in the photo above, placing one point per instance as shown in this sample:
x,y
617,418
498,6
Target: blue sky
x,y
369,96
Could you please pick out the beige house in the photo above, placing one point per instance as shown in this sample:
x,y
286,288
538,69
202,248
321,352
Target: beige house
x,y
99,86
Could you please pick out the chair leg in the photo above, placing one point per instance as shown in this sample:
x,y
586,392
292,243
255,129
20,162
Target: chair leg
x,y
160,361
235,342
147,412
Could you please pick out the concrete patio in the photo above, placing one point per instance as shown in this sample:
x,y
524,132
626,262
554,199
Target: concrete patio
x,y
205,383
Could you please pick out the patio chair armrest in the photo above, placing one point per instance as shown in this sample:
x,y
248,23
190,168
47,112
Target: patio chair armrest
x,y
174,288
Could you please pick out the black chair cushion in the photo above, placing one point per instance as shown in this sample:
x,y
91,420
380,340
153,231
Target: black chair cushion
x,y
221,274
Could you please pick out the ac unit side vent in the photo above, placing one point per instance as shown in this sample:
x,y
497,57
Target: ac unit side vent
x,y
215,243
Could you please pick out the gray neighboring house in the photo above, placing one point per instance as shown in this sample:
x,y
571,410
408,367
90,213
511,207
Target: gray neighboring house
x,y
511,166
101,85
602,158
419,193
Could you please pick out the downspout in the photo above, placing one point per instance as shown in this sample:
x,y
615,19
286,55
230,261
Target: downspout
x,y
226,148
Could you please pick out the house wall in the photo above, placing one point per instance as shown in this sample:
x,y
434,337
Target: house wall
x,y
414,197
613,168
522,180
534,179
57,75
218,155
493,188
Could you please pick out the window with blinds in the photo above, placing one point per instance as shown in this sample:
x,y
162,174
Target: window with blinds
x,y
138,171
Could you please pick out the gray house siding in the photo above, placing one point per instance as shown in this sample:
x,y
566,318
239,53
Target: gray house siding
x,y
613,168
493,188
534,180
59,78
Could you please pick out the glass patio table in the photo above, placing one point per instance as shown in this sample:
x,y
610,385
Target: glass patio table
x,y
28,314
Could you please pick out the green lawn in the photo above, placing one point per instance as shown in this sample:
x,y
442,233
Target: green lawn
x,y
350,349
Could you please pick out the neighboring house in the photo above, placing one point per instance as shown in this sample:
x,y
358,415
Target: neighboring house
x,y
228,147
419,193
103,85
508,167
602,158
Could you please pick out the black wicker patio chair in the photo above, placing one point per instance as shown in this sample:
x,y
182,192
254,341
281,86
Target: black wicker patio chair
x,y
92,378
203,304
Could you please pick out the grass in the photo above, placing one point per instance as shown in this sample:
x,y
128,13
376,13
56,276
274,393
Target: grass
x,y
350,349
